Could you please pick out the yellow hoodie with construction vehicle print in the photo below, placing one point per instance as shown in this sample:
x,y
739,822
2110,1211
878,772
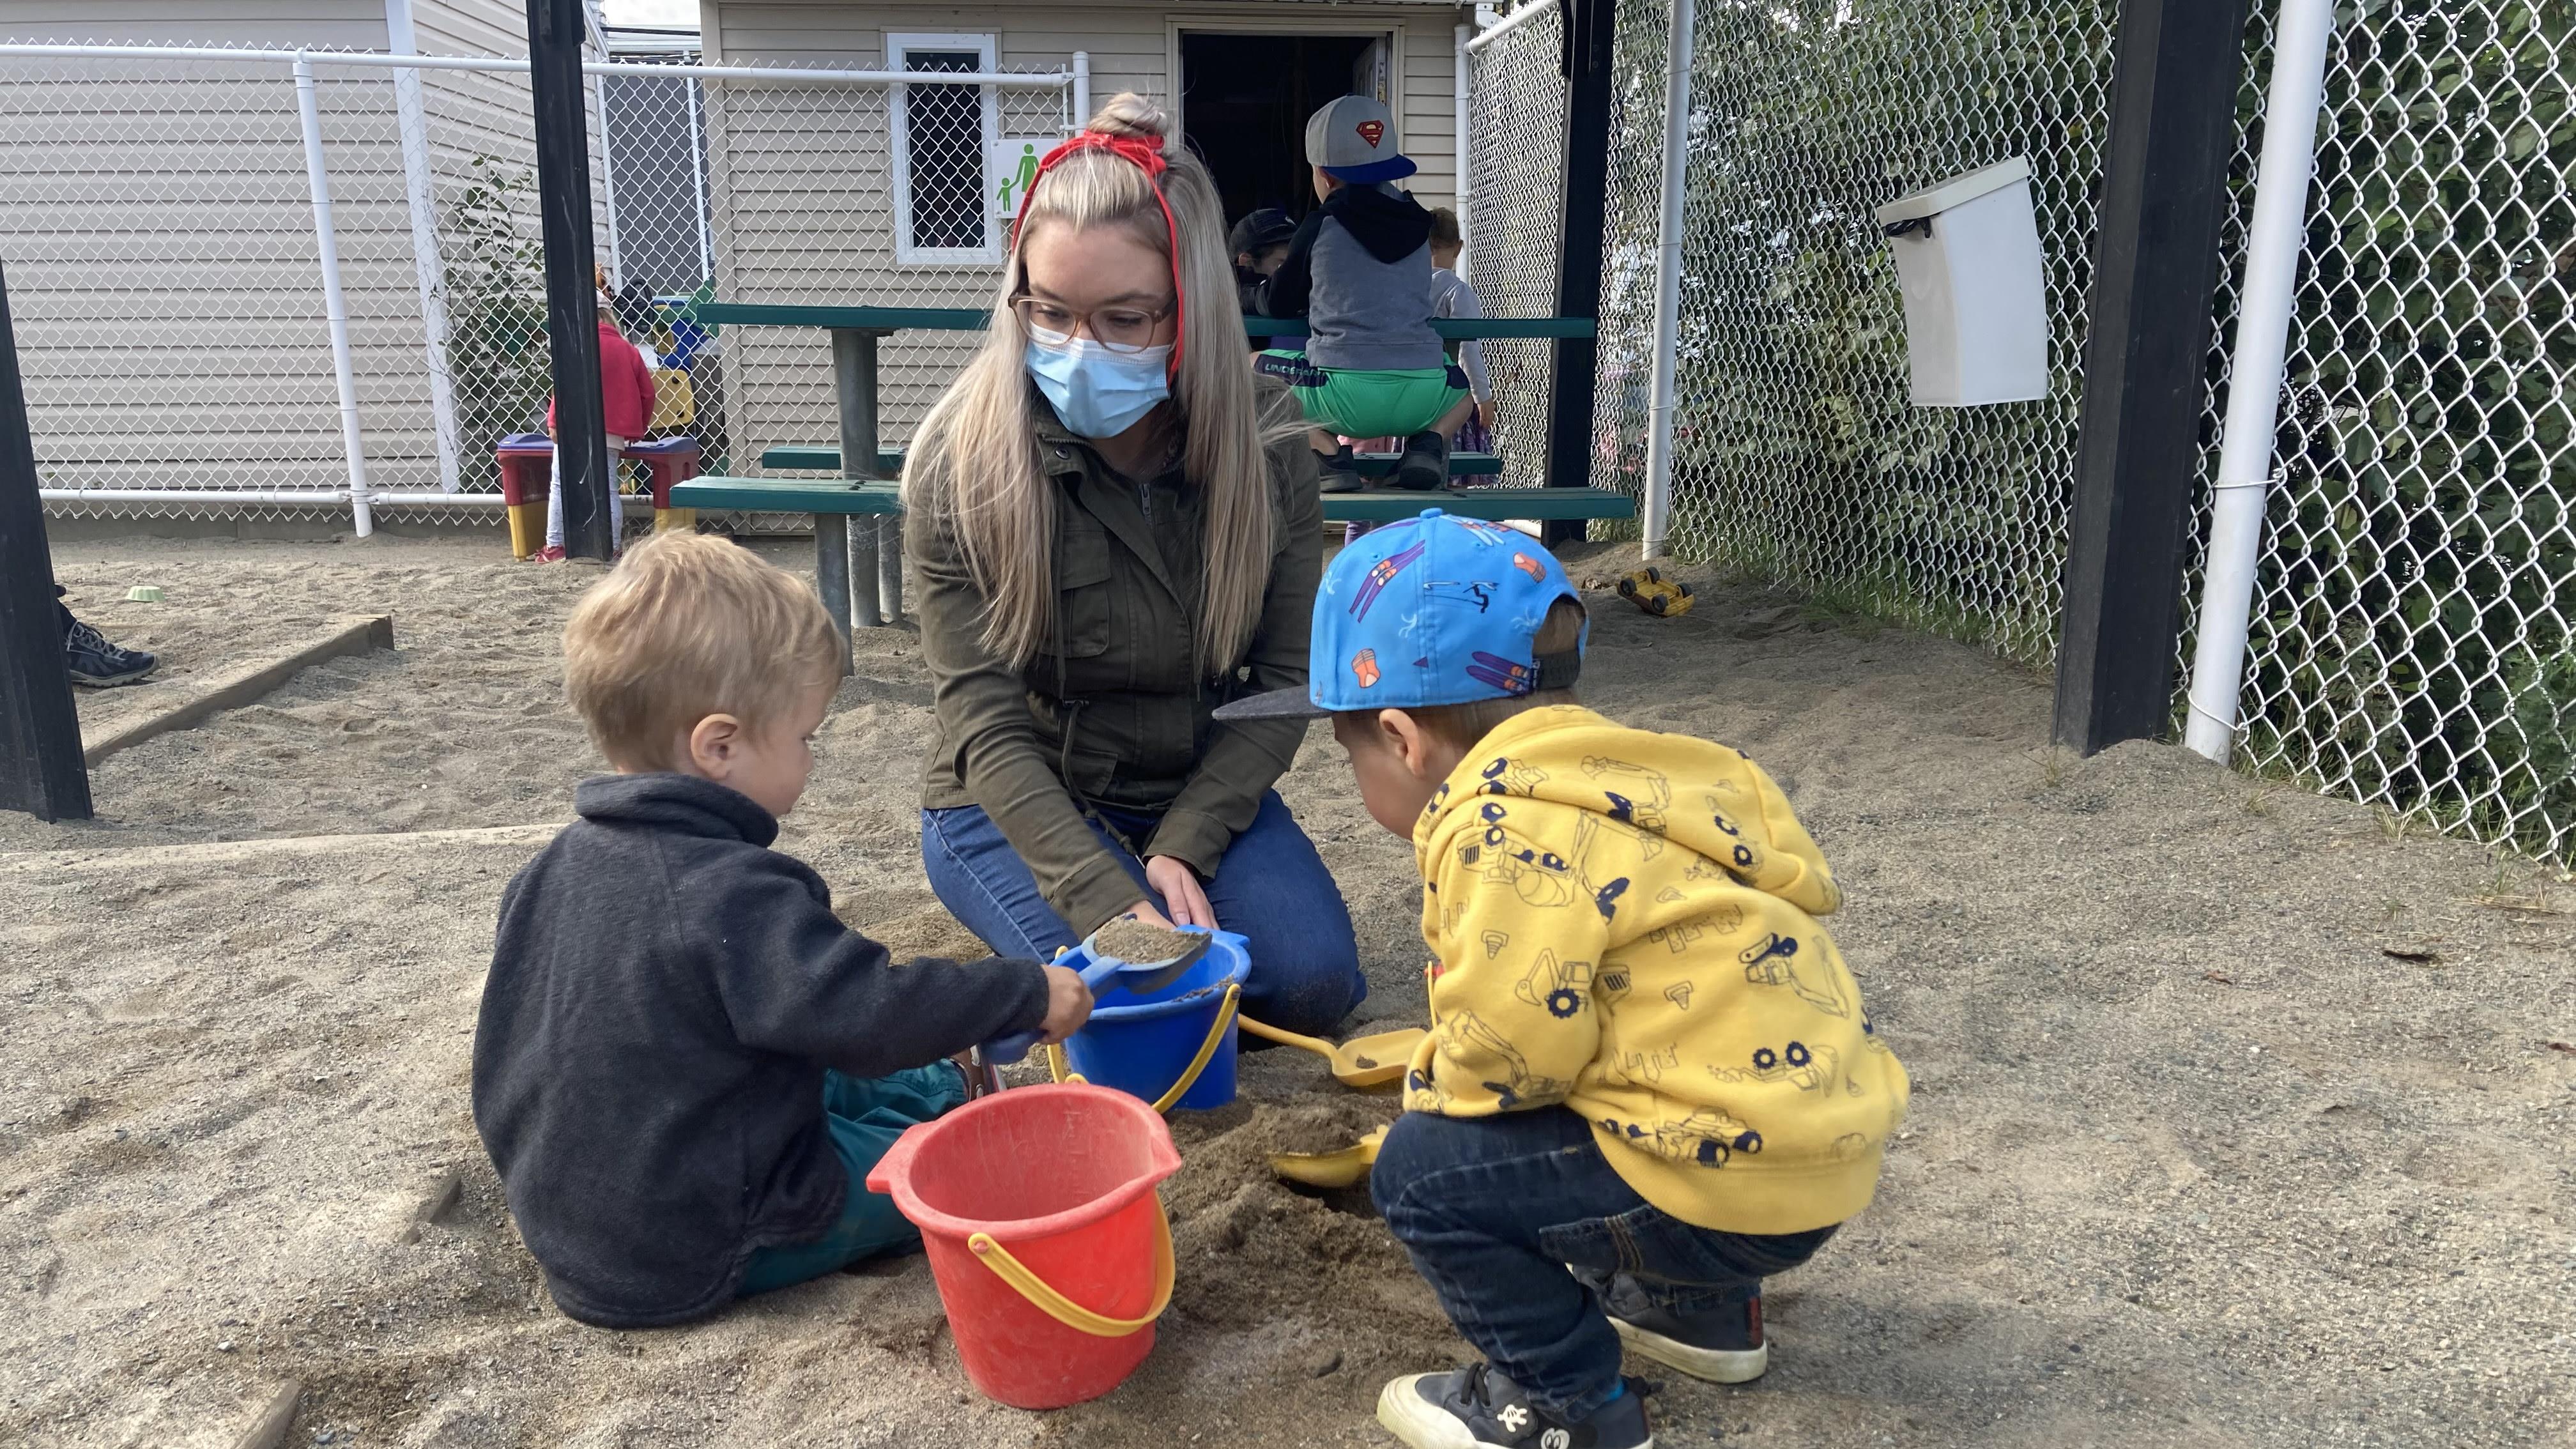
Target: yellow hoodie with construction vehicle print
x,y
1624,922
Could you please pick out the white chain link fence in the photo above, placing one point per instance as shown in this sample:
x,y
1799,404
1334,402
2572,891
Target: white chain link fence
x,y
1515,179
159,234
2410,641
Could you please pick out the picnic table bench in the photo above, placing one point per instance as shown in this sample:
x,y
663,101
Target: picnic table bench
x,y
813,459
869,550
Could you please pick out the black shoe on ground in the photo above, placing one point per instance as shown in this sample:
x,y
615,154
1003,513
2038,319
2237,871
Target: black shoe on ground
x,y
1478,1408
1723,1346
1341,471
99,664
1425,464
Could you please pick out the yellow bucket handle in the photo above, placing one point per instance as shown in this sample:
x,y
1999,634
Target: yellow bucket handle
x,y
1064,1310
1198,1064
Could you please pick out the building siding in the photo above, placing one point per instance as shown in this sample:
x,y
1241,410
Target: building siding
x,y
788,230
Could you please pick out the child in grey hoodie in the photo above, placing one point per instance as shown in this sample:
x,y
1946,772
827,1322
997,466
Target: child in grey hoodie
x,y
1359,272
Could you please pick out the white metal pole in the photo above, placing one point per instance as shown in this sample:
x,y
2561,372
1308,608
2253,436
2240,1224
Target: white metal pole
x,y
1081,90
334,305
698,176
1668,282
411,121
2297,90
1460,190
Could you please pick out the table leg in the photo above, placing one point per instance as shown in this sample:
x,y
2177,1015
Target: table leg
x,y
832,573
890,565
863,572
854,381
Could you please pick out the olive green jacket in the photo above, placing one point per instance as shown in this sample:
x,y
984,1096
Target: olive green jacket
x,y
1111,710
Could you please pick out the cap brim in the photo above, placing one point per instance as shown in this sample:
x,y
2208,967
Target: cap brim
x,y
1277,704
1393,168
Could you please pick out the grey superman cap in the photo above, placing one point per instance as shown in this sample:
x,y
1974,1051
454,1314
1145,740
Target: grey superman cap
x,y
1354,139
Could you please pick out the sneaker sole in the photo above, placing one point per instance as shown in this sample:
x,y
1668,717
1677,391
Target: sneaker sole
x,y
1403,1412
92,681
1709,1365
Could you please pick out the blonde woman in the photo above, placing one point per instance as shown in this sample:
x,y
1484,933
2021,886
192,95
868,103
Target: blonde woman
x,y
1117,530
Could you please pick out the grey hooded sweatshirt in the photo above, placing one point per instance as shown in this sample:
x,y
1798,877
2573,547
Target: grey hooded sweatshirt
x,y
1359,272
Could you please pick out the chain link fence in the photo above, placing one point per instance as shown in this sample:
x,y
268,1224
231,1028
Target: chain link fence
x,y
1514,218
160,234
2410,645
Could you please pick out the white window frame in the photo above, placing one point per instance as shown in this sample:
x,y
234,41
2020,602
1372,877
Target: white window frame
x,y
898,51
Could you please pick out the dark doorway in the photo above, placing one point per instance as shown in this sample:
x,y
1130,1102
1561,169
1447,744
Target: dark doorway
x,y
1244,103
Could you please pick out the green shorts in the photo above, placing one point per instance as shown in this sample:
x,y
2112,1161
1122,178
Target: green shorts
x,y
1362,404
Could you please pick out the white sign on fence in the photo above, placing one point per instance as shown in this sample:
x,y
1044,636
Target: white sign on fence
x,y
1010,165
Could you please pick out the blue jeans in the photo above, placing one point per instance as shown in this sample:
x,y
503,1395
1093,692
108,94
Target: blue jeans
x,y
1271,888
864,1116
1495,1210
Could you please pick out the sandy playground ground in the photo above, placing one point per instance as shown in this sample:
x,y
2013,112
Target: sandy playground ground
x,y
2241,1116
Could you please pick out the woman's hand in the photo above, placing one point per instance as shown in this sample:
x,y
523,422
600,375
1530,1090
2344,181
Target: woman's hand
x,y
1178,885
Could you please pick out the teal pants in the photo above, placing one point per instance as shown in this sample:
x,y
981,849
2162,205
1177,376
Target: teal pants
x,y
864,1118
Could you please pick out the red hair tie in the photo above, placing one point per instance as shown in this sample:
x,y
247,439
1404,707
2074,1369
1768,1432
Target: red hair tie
x,y
1148,158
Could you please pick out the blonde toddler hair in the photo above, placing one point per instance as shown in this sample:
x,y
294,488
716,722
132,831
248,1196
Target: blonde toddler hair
x,y
686,627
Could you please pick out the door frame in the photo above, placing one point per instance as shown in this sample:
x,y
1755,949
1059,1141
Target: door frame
x,y
1333,22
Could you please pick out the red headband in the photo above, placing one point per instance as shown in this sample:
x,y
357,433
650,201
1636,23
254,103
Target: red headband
x,y
1147,157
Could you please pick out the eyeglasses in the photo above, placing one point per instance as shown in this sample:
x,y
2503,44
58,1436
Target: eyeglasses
x,y
1121,328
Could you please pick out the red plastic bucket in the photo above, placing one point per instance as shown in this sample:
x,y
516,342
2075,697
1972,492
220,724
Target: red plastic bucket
x,y
1038,1211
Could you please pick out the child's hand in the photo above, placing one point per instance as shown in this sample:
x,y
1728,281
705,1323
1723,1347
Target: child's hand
x,y
1068,1004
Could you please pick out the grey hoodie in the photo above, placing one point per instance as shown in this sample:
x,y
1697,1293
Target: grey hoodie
x,y
1359,272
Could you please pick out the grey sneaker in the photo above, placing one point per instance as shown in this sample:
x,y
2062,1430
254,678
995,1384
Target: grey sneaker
x,y
102,665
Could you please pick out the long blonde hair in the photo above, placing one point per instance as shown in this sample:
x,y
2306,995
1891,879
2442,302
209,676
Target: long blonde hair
x,y
974,465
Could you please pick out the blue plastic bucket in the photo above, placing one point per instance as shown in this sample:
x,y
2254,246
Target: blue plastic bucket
x,y
1141,1045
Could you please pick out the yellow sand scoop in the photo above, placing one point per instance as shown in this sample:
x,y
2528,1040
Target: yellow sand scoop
x,y
1344,1167
1363,1061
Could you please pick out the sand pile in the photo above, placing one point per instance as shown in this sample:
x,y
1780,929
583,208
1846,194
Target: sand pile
x,y
2238,1115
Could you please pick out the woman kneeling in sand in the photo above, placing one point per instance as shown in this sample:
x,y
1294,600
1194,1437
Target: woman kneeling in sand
x,y
1116,531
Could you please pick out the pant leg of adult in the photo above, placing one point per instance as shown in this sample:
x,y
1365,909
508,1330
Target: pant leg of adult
x,y
1274,889
988,888
554,497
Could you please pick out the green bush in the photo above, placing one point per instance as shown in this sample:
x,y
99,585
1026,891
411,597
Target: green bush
x,y
495,282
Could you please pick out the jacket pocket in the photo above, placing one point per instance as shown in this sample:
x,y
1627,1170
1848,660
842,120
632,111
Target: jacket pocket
x,y
1085,600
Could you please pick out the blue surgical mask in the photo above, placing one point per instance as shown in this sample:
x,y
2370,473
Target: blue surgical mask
x,y
1100,393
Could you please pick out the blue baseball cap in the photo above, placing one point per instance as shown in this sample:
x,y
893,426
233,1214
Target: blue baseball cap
x,y
1431,610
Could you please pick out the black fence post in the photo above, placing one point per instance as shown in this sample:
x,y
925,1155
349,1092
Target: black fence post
x,y
2173,128
41,770
555,35
1583,57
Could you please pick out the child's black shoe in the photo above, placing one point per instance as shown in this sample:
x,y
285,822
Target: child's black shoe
x,y
1341,471
1425,464
1722,1346
1478,1408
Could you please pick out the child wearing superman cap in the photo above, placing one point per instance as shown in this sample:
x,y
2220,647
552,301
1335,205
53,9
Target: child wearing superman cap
x,y
1650,1081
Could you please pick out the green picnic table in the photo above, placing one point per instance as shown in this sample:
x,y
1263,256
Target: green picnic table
x,y
870,554
882,499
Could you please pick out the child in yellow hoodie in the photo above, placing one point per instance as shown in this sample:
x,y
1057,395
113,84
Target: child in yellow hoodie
x,y
1650,1082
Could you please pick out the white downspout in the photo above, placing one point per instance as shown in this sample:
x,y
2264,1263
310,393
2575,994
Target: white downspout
x,y
1081,91
2254,383
411,120
1465,171
698,178
335,307
607,168
1668,282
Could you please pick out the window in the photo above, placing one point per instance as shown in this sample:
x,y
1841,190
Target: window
x,y
940,135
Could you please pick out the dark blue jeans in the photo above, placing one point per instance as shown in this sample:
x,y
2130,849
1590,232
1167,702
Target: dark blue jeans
x,y
1271,888
1495,1210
